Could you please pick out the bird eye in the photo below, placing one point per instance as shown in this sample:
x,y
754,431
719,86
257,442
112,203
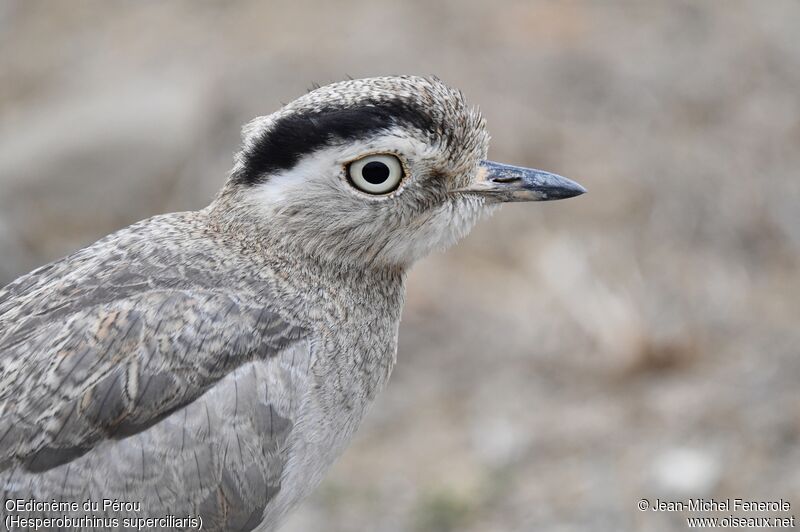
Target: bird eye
x,y
376,174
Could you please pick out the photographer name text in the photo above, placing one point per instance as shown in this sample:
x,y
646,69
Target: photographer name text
x,y
720,505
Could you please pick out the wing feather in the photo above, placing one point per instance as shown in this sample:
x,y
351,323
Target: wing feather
x,y
108,342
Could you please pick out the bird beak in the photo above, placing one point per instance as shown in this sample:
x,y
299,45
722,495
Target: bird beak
x,y
505,183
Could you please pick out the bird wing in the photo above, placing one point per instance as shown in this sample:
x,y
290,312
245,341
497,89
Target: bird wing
x,y
106,343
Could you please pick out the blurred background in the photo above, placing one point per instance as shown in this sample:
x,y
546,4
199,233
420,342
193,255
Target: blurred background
x,y
565,360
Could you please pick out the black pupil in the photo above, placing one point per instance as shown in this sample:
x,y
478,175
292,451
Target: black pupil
x,y
375,172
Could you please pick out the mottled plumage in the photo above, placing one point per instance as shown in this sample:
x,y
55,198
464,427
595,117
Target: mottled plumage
x,y
215,363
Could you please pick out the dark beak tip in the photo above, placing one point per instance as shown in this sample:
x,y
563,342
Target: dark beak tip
x,y
565,189
579,190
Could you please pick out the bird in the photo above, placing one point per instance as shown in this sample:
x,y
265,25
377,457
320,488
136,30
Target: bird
x,y
206,368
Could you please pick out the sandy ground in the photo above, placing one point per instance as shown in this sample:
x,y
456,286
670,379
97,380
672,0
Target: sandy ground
x,y
566,360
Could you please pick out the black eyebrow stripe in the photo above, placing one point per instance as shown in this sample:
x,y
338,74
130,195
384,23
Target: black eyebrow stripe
x,y
300,133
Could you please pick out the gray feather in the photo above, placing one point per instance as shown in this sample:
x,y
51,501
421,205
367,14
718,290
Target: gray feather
x,y
122,346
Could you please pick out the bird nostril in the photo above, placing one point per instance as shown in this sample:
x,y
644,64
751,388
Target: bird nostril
x,y
505,179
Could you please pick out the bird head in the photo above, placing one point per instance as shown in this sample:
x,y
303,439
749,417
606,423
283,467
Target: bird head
x,y
377,171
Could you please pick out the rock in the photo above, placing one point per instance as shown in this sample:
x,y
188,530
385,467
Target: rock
x,y
686,472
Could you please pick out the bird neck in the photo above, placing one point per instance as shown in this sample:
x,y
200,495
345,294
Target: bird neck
x,y
253,235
